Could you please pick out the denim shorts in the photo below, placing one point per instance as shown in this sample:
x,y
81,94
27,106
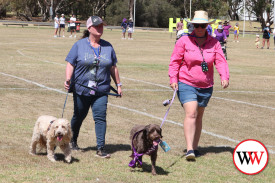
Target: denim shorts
x,y
187,93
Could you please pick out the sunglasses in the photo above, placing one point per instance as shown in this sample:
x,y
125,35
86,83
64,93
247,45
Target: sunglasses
x,y
203,26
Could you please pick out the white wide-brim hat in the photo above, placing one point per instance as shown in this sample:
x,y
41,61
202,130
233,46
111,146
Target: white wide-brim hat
x,y
200,17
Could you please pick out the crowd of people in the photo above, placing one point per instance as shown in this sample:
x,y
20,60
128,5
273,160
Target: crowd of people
x,y
59,25
222,31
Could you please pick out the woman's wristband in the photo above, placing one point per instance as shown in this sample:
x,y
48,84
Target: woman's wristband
x,y
119,84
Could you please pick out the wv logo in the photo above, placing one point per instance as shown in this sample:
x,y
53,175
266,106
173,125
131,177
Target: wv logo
x,y
250,156
247,156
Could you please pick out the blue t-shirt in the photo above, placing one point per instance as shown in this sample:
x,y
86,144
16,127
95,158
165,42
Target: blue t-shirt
x,y
130,24
81,56
124,25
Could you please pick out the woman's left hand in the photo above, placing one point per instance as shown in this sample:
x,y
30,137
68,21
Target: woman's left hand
x,y
225,83
119,91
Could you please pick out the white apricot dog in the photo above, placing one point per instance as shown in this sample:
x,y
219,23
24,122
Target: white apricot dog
x,y
50,132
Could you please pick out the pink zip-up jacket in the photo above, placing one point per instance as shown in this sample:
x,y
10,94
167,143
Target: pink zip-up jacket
x,y
186,59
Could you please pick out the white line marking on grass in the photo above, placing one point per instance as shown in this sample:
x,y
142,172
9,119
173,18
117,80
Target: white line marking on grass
x,y
253,92
22,43
19,51
22,89
35,83
147,90
219,98
162,86
241,102
125,108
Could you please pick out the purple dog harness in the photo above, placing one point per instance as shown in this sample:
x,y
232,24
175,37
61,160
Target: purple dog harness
x,y
137,158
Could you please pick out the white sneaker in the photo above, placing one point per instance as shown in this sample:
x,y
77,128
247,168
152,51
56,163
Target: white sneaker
x,y
74,35
55,36
71,36
63,36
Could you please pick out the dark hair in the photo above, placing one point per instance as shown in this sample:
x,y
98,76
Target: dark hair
x,y
86,33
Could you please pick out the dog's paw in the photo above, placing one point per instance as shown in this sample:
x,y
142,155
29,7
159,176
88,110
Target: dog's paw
x,y
31,152
68,159
52,158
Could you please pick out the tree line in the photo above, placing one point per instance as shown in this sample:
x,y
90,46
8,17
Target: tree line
x,y
148,13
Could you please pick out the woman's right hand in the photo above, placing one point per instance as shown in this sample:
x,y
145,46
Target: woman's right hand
x,y
174,86
67,84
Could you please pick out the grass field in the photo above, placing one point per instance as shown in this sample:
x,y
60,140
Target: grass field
x,y
32,73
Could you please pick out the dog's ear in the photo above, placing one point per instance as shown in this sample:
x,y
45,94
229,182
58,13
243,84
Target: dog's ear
x,y
51,132
69,130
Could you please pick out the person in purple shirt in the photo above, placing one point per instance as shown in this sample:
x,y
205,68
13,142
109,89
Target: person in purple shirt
x,y
220,34
209,29
226,28
124,27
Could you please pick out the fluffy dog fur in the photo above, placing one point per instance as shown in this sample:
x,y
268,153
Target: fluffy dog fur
x,y
144,140
49,135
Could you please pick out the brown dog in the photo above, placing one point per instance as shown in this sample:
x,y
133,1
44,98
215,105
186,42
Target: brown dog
x,y
146,138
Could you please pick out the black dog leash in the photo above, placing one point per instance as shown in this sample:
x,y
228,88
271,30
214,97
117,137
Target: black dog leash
x,y
65,103
107,93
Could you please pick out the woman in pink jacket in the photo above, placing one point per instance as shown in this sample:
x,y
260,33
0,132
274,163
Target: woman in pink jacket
x,y
191,72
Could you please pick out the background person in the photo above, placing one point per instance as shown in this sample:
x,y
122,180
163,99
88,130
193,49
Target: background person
x,y
274,36
56,25
90,62
257,41
124,27
72,25
209,29
191,72
62,24
179,26
226,27
130,28
220,35
236,32
190,27
266,36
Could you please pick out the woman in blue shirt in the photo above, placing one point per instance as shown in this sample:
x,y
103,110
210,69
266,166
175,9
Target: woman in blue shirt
x,y
91,62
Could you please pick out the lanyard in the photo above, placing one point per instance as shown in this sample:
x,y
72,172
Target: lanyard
x,y
96,53
203,63
200,51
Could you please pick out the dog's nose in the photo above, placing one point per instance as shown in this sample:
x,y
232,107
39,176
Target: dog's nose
x,y
58,133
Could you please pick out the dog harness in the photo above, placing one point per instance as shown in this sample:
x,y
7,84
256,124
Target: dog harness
x,y
137,158
50,125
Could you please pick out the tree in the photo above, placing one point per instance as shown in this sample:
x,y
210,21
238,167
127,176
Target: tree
x,y
116,11
259,8
3,7
234,8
